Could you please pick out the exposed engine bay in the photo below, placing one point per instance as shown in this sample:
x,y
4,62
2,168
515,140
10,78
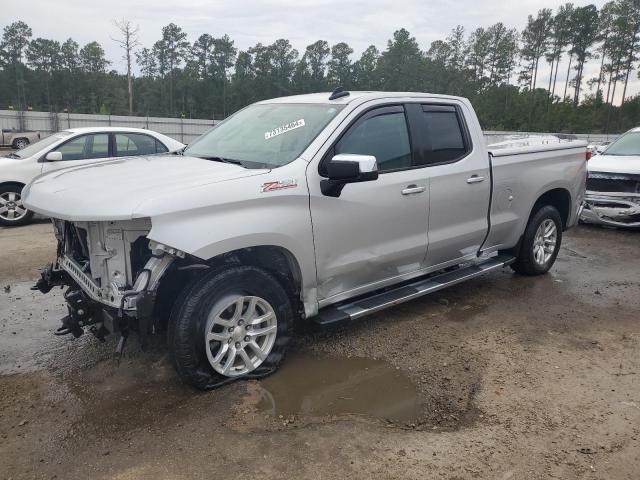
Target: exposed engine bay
x,y
112,271
612,199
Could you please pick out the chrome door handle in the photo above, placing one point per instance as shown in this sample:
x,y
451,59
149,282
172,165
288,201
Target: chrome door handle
x,y
475,179
411,189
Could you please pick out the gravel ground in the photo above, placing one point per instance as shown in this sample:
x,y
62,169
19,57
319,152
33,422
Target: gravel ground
x,y
502,377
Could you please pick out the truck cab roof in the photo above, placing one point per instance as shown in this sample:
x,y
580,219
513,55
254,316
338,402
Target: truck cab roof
x,y
360,96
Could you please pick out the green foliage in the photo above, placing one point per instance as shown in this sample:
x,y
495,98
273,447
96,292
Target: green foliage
x,y
496,67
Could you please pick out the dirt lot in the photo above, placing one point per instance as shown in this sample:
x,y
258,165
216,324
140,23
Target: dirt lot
x,y
503,377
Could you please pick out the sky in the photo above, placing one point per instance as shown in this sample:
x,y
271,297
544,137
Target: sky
x,y
247,22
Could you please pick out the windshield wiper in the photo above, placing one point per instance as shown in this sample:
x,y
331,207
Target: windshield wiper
x,y
223,160
13,155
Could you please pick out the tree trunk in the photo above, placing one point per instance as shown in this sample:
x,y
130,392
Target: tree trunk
x,y
129,81
576,91
629,64
566,83
624,90
130,89
600,74
555,77
609,83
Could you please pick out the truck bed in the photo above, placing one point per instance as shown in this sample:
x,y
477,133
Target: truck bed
x,y
519,169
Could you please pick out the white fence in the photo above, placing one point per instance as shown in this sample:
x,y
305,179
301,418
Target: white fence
x,y
181,129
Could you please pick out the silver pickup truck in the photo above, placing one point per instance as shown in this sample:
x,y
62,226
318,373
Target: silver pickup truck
x,y
10,137
325,207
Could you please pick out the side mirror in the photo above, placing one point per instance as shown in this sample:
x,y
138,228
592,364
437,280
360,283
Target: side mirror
x,y
53,156
348,168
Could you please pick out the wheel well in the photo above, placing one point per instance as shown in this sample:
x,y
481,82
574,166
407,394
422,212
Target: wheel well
x,y
18,184
559,198
13,142
278,261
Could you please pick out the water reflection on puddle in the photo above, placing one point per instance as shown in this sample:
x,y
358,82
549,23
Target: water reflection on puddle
x,y
312,386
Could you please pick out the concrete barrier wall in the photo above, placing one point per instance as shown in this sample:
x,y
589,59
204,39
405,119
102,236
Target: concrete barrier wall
x,y
182,129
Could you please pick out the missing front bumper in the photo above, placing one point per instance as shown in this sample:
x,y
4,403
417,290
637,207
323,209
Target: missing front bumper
x,y
82,310
108,309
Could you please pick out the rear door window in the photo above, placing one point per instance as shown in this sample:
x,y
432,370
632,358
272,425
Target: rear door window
x,y
132,144
445,134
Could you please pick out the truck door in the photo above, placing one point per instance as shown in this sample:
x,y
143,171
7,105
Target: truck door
x,y
374,231
459,185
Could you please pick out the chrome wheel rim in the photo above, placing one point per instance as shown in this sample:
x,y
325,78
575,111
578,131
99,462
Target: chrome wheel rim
x,y
240,333
544,242
11,207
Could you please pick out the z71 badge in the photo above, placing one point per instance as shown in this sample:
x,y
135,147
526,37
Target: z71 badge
x,y
279,185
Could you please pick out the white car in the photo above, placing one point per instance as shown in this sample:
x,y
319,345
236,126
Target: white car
x,y
613,186
70,148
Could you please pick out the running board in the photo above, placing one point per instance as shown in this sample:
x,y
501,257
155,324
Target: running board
x,y
417,288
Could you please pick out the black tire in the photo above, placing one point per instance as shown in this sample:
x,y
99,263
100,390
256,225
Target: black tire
x,y
188,322
526,263
20,143
8,191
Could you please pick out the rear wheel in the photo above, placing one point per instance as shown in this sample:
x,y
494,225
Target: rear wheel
x,y
12,211
229,324
20,143
540,243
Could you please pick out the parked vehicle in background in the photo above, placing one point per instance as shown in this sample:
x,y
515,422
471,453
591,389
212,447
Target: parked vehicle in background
x,y
598,148
10,137
613,186
68,148
322,206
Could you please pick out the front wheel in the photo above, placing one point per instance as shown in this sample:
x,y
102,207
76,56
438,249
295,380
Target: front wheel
x,y
540,243
12,211
231,323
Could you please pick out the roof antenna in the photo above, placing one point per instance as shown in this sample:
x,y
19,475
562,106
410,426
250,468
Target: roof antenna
x,y
339,93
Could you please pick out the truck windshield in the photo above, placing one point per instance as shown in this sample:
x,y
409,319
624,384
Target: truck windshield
x,y
264,136
40,145
628,144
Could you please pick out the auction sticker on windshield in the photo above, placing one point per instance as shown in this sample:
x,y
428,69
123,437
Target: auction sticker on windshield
x,y
284,128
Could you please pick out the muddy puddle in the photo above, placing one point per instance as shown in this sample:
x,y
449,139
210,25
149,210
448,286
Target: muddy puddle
x,y
315,386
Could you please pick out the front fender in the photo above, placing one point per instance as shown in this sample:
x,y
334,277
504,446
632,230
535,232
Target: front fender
x,y
18,171
279,219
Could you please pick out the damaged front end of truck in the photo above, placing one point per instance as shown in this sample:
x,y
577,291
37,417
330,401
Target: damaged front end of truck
x,y
612,199
112,273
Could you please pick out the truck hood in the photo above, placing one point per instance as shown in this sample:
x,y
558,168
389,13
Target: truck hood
x,y
118,189
629,164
